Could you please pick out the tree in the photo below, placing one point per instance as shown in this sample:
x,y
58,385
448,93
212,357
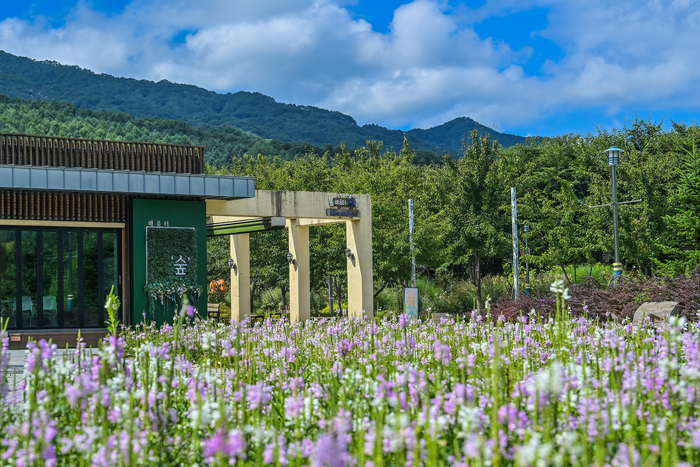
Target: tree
x,y
477,220
562,223
683,225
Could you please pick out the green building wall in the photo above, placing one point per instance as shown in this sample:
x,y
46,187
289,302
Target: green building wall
x,y
165,213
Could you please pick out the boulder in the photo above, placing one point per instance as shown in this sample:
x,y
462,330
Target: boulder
x,y
440,316
657,311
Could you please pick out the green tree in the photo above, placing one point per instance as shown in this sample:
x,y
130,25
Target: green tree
x,y
477,220
683,234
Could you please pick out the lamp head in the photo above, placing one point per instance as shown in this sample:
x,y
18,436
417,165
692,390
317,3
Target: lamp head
x,y
613,156
349,254
290,258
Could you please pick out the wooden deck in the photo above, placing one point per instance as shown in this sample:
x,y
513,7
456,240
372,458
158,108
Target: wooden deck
x,y
62,337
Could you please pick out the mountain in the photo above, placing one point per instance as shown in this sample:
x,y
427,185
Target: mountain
x,y
62,119
253,112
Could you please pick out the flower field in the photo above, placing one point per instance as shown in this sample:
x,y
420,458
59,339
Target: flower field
x,y
338,392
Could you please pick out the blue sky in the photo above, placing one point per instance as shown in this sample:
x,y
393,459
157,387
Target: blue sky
x,y
528,67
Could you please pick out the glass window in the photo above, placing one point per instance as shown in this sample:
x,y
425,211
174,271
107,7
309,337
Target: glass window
x,y
8,277
91,274
30,268
70,279
50,279
110,261
57,277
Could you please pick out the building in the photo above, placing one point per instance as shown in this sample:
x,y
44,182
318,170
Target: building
x,y
74,217
79,217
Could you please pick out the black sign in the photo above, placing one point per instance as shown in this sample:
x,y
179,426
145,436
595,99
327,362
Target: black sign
x,y
345,202
343,212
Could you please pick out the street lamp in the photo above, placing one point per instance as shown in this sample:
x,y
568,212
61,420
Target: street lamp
x,y
526,229
614,161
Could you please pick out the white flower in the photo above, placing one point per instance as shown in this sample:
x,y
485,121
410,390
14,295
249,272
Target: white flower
x,y
550,380
557,286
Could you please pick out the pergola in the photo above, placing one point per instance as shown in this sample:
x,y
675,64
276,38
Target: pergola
x,y
296,211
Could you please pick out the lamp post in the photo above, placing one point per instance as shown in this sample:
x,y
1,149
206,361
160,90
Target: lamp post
x,y
614,161
526,229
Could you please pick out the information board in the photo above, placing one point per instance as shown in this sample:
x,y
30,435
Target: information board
x,y
410,300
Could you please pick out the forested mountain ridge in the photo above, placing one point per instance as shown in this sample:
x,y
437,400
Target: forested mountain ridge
x,y
253,112
224,143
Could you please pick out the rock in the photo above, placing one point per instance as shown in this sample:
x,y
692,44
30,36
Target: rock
x,y
657,311
437,317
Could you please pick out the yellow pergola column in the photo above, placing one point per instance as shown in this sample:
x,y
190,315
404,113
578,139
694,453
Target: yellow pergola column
x,y
299,272
240,277
360,284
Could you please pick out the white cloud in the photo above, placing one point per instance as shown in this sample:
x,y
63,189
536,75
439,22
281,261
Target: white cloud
x,y
429,68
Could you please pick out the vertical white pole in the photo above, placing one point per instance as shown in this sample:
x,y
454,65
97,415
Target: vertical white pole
x,y
516,269
410,239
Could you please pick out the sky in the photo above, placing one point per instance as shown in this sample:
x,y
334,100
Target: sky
x,y
528,67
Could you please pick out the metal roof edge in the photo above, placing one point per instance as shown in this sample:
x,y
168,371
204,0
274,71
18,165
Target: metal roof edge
x,y
77,179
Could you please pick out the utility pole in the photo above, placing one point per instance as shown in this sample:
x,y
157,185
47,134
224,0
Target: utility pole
x,y
526,229
516,268
410,239
330,287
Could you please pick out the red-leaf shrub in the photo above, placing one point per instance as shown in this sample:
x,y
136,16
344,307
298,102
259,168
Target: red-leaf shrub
x,y
612,301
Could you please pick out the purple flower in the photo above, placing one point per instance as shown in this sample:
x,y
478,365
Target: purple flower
x,y
235,444
214,445
337,369
269,453
230,446
443,352
330,452
293,406
258,394
49,456
72,394
118,343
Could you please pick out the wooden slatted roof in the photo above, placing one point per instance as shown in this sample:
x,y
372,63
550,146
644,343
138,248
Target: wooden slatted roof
x,y
22,149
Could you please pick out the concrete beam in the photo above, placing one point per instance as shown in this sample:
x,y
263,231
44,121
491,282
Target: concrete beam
x,y
289,204
330,221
